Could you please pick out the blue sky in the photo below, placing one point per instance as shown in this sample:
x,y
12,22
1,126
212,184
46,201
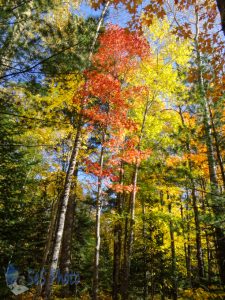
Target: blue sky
x,y
117,16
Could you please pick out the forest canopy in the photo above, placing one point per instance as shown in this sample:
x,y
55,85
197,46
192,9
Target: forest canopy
x,y
112,149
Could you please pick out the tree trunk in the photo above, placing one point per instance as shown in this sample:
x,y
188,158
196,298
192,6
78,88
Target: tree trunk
x,y
218,152
221,6
186,244
62,216
173,255
198,239
117,245
65,257
49,243
130,238
98,224
145,290
199,255
218,211
68,181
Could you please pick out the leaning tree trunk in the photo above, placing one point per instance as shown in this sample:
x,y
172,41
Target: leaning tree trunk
x,y
49,242
68,181
65,256
62,215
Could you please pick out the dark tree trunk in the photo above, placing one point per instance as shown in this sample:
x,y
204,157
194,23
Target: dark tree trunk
x,y
221,6
173,256
198,239
125,271
217,146
117,245
215,194
186,245
145,290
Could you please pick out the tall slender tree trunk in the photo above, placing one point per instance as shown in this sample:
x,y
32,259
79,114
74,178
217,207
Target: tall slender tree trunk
x,y
130,235
65,259
125,271
186,244
98,224
207,238
198,239
49,242
145,289
218,152
68,181
215,192
62,215
117,244
65,256
173,255
218,211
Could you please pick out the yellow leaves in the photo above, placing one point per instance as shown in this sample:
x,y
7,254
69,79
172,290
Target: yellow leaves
x,y
158,29
172,161
158,76
62,91
61,13
200,293
160,71
167,44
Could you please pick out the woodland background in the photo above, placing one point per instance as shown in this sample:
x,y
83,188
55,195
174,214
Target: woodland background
x,y
112,147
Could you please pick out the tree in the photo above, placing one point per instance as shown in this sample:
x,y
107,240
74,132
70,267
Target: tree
x,y
68,180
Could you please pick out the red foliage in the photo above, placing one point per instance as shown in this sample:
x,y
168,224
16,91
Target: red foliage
x,y
120,50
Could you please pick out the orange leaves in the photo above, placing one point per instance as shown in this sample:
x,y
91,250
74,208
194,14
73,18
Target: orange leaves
x,y
94,168
109,101
132,155
119,50
120,188
104,86
197,158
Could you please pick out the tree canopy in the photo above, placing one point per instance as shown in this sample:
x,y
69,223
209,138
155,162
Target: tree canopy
x,y
112,152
